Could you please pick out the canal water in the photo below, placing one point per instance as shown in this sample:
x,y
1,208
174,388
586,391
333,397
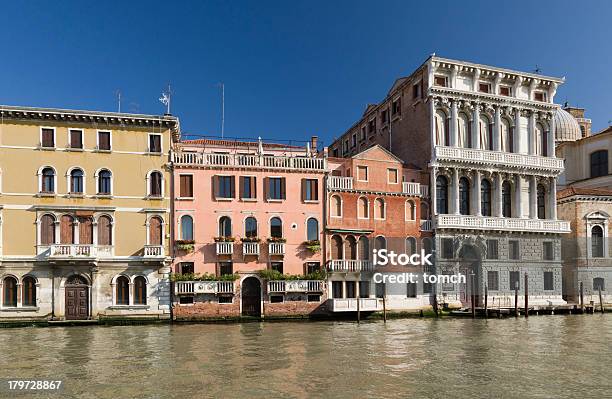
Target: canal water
x,y
541,357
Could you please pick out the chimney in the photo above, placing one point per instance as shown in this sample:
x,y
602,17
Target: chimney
x,y
313,143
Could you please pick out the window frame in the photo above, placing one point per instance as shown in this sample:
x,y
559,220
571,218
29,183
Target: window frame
x,y
110,140
183,216
181,196
70,144
99,193
389,175
161,144
367,173
150,194
54,138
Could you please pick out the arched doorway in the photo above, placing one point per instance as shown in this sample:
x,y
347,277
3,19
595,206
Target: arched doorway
x,y
77,298
251,297
469,265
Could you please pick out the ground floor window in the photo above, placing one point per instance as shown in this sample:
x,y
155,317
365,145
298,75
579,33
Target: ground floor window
x,y
337,289
598,284
187,267
515,280
225,299
364,289
140,291
314,298
276,299
123,291
225,268
427,288
29,291
493,280
186,300
380,290
312,267
411,290
351,291
10,292
548,281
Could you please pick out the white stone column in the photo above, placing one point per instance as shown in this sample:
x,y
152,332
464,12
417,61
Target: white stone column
x,y
131,294
497,202
552,199
531,133
518,196
455,188
497,130
533,203
476,79
476,196
517,130
476,127
454,134
433,191
551,137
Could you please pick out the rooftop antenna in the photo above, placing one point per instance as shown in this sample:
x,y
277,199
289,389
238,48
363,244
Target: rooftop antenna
x,y
118,94
165,99
222,86
537,69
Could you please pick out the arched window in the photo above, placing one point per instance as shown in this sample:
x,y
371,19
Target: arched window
x,y
48,180
335,206
336,247
541,201
276,227
155,231
507,133
379,208
76,181
411,246
9,297
312,229
140,291
225,226
506,199
464,130
186,227
426,245
67,229
486,132
599,163
28,288
364,248
424,211
155,184
350,249
410,210
104,182
442,195
599,284
464,196
380,243
442,131
541,142
47,230
123,291
105,230
363,208
85,230
485,197
597,242
250,227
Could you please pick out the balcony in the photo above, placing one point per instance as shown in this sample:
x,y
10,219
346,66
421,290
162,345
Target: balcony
x,y
426,225
76,251
250,248
203,287
224,248
153,251
411,188
276,248
498,159
504,224
349,265
295,286
200,159
350,304
340,183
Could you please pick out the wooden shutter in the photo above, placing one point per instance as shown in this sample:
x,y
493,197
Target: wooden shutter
x,y
85,230
241,183
47,138
76,139
304,189
283,190
105,231
47,230
233,186
66,230
104,140
215,186
315,189
266,188
186,186
155,231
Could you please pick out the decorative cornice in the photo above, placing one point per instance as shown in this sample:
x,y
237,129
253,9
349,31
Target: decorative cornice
x,y
445,93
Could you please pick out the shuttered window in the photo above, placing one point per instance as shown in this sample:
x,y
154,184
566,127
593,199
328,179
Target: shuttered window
x,y
104,141
155,231
123,291
154,143
310,190
29,291
155,189
224,186
67,229
47,230
10,292
105,230
48,138
140,291
248,187
276,188
186,186
85,230
76,139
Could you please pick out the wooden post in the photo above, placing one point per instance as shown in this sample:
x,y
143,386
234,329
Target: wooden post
x,y
581,298
526,296
516,299
435,303
385,302
601,301
358,307
486,302
472,296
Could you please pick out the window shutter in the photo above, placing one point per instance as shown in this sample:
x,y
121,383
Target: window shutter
x,y
266,187
253,182
241,183
233,186
283,192
47,138
304,183
215,185
182,185
104,140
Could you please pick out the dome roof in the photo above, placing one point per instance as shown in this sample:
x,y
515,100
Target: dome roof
x,y
566,126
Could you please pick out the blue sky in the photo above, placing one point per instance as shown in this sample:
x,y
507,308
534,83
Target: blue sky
x,y
290,68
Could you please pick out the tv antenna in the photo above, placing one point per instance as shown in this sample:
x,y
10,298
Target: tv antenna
x,y
165,98
118,94
537,69
222,86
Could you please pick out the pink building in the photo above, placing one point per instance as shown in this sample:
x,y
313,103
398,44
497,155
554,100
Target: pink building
x,y
241,208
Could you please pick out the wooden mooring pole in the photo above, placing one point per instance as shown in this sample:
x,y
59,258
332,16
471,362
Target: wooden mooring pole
x,y
472,295
601,301
486,302
385,302
526,296
581,298
358,308
516,299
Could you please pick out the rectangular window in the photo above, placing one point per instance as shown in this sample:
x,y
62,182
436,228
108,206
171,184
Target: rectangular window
x,y
384,117
427,288
504,91
392,176
187,267
186,186
514,250
225,299
599,163
248,187
380,290
411,290
335,153
346,147
276,299
225,268
354,140
155,143
48,138
416,91
364,289
539,96
224,186
492,249
314,298
484,87
351,289
104,141
276,188
362,173
363,133
76,139
337,289
372,126
548,281
278,266
186,300
396,107
493,280
440,81
548,250
310,189
515,280
447,248
312,267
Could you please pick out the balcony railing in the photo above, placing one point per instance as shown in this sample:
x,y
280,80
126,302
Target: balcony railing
x,y
248,160
424,191
340,183
350,304
152,251
426,225
72,251
498,158
276,248
505,224
411,188
224,248
295,286
203,287
250,248
349,265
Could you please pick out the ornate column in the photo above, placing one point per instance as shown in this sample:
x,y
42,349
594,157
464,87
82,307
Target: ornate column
x,y
454,134
476,196
432,189
518,195
550,135
455,187
476,126
517,130
498,210
497,130
552,199
476,78
531,133
533,204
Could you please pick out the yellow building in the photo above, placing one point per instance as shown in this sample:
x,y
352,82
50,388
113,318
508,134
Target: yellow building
x,y
84,212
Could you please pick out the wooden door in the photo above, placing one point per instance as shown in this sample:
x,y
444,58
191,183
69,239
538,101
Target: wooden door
x,y
77,303
85,230
251,297
155,231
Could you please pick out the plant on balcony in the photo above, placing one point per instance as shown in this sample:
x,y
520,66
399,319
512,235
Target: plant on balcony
x,y
313,246
224,239
280,240
184,245
203,277
250,239
275,275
